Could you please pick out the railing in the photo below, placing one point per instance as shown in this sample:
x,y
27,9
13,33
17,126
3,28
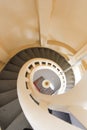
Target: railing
x,y
34,104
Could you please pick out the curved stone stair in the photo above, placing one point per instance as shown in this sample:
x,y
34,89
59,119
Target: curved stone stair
x,y
7,97
11,116
7,85
9,112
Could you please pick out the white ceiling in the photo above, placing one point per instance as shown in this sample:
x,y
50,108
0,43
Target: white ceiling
x,y
23,21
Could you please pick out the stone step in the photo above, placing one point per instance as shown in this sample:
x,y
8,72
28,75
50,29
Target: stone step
x,y
24,56
17,61
36,52
7,97
20,123
6,85
9,112
8,75
12,67
30,53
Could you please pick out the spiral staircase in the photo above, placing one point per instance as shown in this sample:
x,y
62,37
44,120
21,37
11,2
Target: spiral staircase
x,y
11,115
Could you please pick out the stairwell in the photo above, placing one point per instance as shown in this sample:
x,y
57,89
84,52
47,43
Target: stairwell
x,y
11,115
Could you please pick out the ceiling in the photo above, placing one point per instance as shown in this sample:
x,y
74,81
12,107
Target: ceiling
x,y
26,21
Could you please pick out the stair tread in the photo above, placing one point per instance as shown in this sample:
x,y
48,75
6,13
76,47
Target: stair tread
x,y
36,52
6,85
46,53
9,112
42,52
53,56
20,119
7,97
12,67
30,53
50,54
17,61
23,55
8,75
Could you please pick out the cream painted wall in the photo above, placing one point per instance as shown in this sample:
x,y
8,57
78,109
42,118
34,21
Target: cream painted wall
x,y
68,22
3,54
24,22
18,23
